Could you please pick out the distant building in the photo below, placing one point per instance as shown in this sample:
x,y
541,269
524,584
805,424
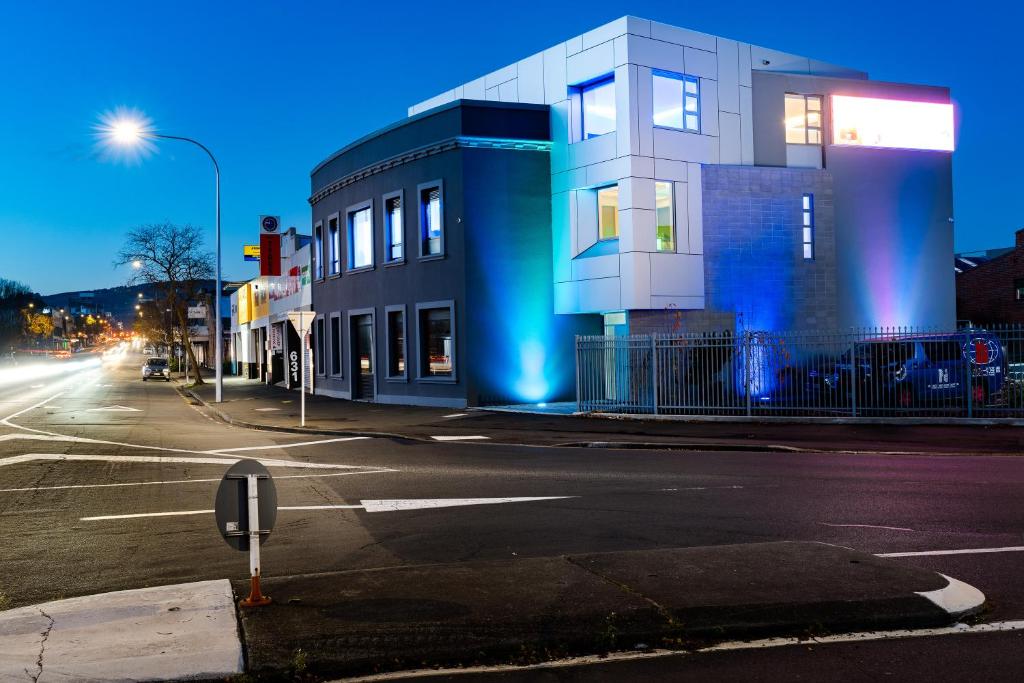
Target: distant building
x,y
990,285
262,338
637,178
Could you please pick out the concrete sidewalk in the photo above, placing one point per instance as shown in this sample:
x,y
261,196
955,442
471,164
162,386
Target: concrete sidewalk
x,y
187,631
253,404
534,609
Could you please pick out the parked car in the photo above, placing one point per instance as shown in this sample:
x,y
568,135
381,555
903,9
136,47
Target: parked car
x,y
921,371
156,368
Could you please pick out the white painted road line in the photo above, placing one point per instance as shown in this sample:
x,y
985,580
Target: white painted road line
x,y
160,459
25,410
456,415
957,598
287,445
868,526
182,481
589,660
265,410
963,551
114,409
368,505
459,438
427,503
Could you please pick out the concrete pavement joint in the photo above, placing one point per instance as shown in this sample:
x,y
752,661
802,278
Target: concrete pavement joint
x,y
45,635
665,613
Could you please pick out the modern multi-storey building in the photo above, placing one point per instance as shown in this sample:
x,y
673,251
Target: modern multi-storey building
x,y
689,183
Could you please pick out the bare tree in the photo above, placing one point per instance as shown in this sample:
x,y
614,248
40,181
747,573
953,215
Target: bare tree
x,y
171,258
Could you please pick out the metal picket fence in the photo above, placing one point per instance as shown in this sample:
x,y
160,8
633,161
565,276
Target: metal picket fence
x,y
879,372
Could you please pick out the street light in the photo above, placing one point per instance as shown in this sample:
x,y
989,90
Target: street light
x,y
127,131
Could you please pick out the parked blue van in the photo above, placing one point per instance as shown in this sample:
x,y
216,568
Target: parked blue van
x,y
923,371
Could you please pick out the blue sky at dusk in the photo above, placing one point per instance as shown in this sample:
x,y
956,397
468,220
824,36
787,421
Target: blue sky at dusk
x,y
274,87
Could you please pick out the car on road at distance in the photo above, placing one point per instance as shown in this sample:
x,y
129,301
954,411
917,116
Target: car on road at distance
x,y
156,368
149,350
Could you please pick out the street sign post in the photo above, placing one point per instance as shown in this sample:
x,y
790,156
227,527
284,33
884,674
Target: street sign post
x,y
302,321
245,510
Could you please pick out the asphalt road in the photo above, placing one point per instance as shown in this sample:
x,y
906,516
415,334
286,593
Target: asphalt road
x,y
87,523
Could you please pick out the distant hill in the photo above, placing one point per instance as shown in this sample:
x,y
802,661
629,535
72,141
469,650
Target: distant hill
x,y
119,302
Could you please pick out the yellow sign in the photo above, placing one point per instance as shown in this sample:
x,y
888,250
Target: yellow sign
x,y
251,252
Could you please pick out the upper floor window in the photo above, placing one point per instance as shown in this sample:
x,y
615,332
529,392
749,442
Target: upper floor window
x,y
597,104
666,235
608,213
360,238
676,101
431,226
318,251
393,228
334,241
803,119
1018,286
808,225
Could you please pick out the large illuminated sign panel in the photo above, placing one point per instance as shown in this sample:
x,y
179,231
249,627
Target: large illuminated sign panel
x,y
899,124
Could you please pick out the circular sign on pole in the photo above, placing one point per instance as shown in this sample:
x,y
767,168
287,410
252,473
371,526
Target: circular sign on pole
x,y
231,508
270,224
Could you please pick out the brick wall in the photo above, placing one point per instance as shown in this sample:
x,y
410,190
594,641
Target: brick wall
x,y
755,276
987,294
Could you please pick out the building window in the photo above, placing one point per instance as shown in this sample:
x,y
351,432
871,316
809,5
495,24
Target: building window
x,y
336,345
334,243
396,342
319,346
808,225
803,119
431,225
597,107
665,214
608,213
318,251
360,238
394,229
676,101
436,341
1018,286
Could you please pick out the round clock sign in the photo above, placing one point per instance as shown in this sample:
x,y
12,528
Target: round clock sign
x,y
269,224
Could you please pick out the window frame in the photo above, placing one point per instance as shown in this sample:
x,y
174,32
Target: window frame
x,y
807,226
672,215
1018,289
593,84
421,212
332,241
684,79
350,252
317,252
806,97
388,310
337,358
388,228
320,344
420,338
597,201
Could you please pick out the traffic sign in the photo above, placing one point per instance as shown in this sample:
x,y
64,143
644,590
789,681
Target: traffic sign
x,y
232,504
302,321
245,510
270,225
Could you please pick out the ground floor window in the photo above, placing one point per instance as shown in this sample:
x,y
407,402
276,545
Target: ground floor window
x,y
319,346
436,340
336,345
396,343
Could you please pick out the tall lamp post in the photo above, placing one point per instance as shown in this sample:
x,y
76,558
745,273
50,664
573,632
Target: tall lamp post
x,y
129,132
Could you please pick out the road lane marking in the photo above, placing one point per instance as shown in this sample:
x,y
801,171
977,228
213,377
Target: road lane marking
x,y
427,503
456,415
368,505
161,459
590,660
182,481
962,551
286,445
265,410
25,410
458,438
868,526
114,409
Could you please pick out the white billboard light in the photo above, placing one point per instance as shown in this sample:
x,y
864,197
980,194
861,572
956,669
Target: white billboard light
x,y
899,124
